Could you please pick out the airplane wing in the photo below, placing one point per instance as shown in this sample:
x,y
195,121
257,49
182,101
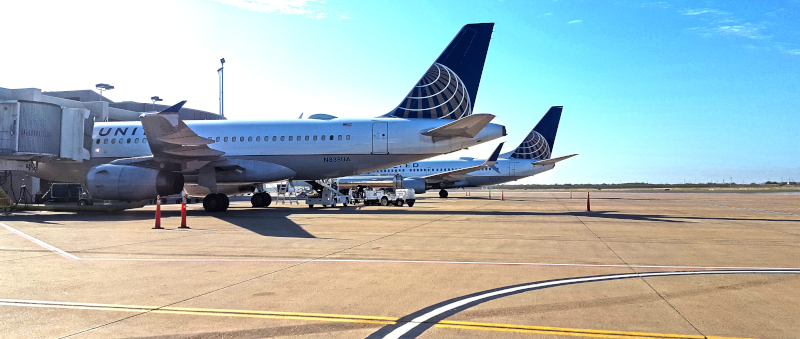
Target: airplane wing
x,y
461,173
552,161
170,140
466,127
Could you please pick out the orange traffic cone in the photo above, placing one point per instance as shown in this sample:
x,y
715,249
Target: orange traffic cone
x,y
502,195
588,207
158,214
183,213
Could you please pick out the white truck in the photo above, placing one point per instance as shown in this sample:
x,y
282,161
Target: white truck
x,y
386,196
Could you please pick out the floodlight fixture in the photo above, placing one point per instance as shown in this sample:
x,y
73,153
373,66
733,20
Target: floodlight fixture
x,y
103,87
221,102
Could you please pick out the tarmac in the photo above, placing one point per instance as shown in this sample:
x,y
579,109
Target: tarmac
x,y
533,265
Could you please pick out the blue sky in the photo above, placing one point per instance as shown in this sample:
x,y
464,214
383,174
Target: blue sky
x,y
652,91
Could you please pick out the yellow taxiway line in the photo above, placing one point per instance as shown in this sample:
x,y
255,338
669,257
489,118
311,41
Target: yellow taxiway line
x,y
465,325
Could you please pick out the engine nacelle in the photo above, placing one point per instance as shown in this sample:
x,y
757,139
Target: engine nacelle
x,y
374,181
132,183
418,185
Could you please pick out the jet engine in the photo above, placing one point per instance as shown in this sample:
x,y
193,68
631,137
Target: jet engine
x,y
131,183
374,181
418,185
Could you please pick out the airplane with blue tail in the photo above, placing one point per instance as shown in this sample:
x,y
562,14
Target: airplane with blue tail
x,y
161,154
531,157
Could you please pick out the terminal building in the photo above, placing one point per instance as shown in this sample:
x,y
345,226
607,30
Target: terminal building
x,y
57,126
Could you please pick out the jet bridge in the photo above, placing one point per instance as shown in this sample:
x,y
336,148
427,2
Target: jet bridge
x,y
39,131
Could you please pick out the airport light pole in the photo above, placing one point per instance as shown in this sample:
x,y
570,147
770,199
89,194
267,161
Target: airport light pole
x,y
155,99
221,102
103,87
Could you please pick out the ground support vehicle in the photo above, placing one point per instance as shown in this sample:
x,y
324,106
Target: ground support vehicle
x,y
386,196
325,193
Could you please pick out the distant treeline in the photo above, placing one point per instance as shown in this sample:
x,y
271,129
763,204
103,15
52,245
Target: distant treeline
x,y
629,185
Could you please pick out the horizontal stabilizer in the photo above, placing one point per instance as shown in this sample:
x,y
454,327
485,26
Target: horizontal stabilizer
x,y
552,160
461,173
467,127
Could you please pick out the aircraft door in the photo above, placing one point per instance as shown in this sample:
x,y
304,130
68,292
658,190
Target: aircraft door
x,y
511,169
380,138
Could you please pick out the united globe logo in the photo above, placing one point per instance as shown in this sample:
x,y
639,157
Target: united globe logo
x,y
440,94
535,146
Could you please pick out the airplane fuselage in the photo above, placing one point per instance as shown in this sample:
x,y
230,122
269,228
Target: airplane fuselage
x,y
505,170
313,149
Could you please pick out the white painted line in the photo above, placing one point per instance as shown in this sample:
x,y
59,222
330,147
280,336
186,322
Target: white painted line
x,y
40,243
407,327
73,257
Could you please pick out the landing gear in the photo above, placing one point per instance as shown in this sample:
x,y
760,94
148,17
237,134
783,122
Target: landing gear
x,y
442,194
216,202
411,202
261,200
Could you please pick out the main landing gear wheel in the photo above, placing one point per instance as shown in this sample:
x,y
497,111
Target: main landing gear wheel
x,y
411,202
261,200
216,202
442,194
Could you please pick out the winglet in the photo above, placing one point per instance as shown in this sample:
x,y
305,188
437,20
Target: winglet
x,y
496,153
174,108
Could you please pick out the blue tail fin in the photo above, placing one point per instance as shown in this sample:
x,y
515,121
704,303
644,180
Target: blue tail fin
x,y
449,88
539,143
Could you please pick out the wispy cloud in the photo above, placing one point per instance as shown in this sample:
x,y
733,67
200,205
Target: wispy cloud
x,y
658,4
308,8
701,11
724,23
793,51
575,22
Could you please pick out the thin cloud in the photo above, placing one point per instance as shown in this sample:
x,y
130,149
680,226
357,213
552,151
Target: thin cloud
x,y
659,4
575,22
793,51
291,7
724,23
345,17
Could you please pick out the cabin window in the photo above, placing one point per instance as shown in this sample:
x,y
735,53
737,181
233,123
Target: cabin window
x,y
217,139
129,140
121,140
136,141
306,138
226,139
331,137
298,138
315,138
98,142
322,137
105,141
340,137
283,138
274,138
348,137
241,139
258,139
233,139
266,138
113,141
249,138
290,138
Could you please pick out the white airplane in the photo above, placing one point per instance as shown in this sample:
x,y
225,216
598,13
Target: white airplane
x,y
530,158
158,155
